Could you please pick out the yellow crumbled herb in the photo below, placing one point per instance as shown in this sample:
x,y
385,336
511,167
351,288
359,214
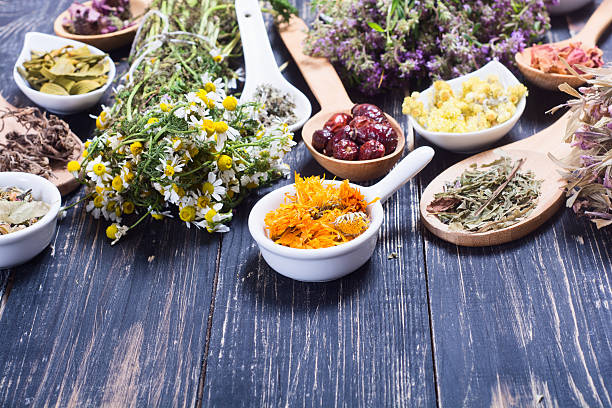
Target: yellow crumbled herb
x,y
480,105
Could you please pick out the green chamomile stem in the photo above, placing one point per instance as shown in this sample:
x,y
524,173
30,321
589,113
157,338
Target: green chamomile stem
x,y
77,202
139,220
205,164
130,99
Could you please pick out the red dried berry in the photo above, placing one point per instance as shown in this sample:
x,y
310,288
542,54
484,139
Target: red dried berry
x,y
339,135
385,135
345,150
372,149
370,111
337,121
320,139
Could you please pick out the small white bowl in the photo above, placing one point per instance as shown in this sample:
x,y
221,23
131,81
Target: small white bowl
x,y
471,141
566,6
21,246
325,264
60,104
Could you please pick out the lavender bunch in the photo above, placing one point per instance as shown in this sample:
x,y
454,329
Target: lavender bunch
x,y
588,168
381,44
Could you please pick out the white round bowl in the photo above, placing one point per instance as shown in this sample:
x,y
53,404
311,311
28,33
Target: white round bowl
x,y
325,264
566,6
21,246
60,104
471,141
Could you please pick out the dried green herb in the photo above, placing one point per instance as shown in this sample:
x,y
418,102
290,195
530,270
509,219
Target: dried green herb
x,y
490,197
66,71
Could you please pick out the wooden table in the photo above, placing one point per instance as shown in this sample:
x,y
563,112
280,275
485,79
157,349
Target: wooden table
x,y
177,317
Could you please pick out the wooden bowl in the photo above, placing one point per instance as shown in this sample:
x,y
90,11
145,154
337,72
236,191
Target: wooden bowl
x,y
110,41
545,80
358,170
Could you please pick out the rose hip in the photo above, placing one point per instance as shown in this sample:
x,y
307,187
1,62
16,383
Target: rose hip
x,y
385,135
370,111
372,149
337,121
320,139
339,135
345,149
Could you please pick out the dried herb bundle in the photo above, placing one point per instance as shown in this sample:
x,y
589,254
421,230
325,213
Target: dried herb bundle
x,y
45,139
494,196
588,168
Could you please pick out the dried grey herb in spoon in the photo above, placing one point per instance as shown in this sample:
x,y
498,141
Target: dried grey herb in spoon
x,y
276,105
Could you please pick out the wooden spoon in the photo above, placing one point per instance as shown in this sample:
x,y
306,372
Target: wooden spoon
x,y
588,36
331,95
534,150
64,181
110,41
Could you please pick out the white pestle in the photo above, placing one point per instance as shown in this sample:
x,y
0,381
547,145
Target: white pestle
x,y
260,65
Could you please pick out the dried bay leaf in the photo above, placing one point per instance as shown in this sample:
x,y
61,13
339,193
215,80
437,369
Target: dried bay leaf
x,y
83,87
53,89
18,212
66,71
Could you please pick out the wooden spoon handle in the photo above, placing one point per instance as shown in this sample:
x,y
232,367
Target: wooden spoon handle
x,y
320,75
597,23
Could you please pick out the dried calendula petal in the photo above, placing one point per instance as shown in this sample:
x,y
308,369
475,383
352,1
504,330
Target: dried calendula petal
x,y
66,71
53,89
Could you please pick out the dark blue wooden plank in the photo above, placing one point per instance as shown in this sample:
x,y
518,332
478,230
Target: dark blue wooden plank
x,y
87,324
361,341
528,323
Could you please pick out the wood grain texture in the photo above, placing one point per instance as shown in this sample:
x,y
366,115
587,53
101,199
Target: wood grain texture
x,y
87,324
527,323
361,341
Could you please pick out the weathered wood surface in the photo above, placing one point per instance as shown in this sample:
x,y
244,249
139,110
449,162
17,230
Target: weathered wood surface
x,y
172,317
527,323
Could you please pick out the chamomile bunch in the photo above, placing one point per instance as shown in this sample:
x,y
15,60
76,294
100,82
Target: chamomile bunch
x,y
195,157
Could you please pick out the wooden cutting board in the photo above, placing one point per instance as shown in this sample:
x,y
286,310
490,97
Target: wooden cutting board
x,y
64,181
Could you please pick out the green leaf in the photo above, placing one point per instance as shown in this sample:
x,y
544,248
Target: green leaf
x,y
376,27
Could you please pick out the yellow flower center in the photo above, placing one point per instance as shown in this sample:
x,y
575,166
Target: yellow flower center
x,y
224,162
101,121
128,207
111,231
203,201
169,171
230,103
177,144
208,126
202,95
218,58
187,214
98,201
210,214
136,148
129,177
117,183
208,188
178,190
165,107
99,189
99,169
152,121
221,127
157,216
87,144
73,166
210,87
